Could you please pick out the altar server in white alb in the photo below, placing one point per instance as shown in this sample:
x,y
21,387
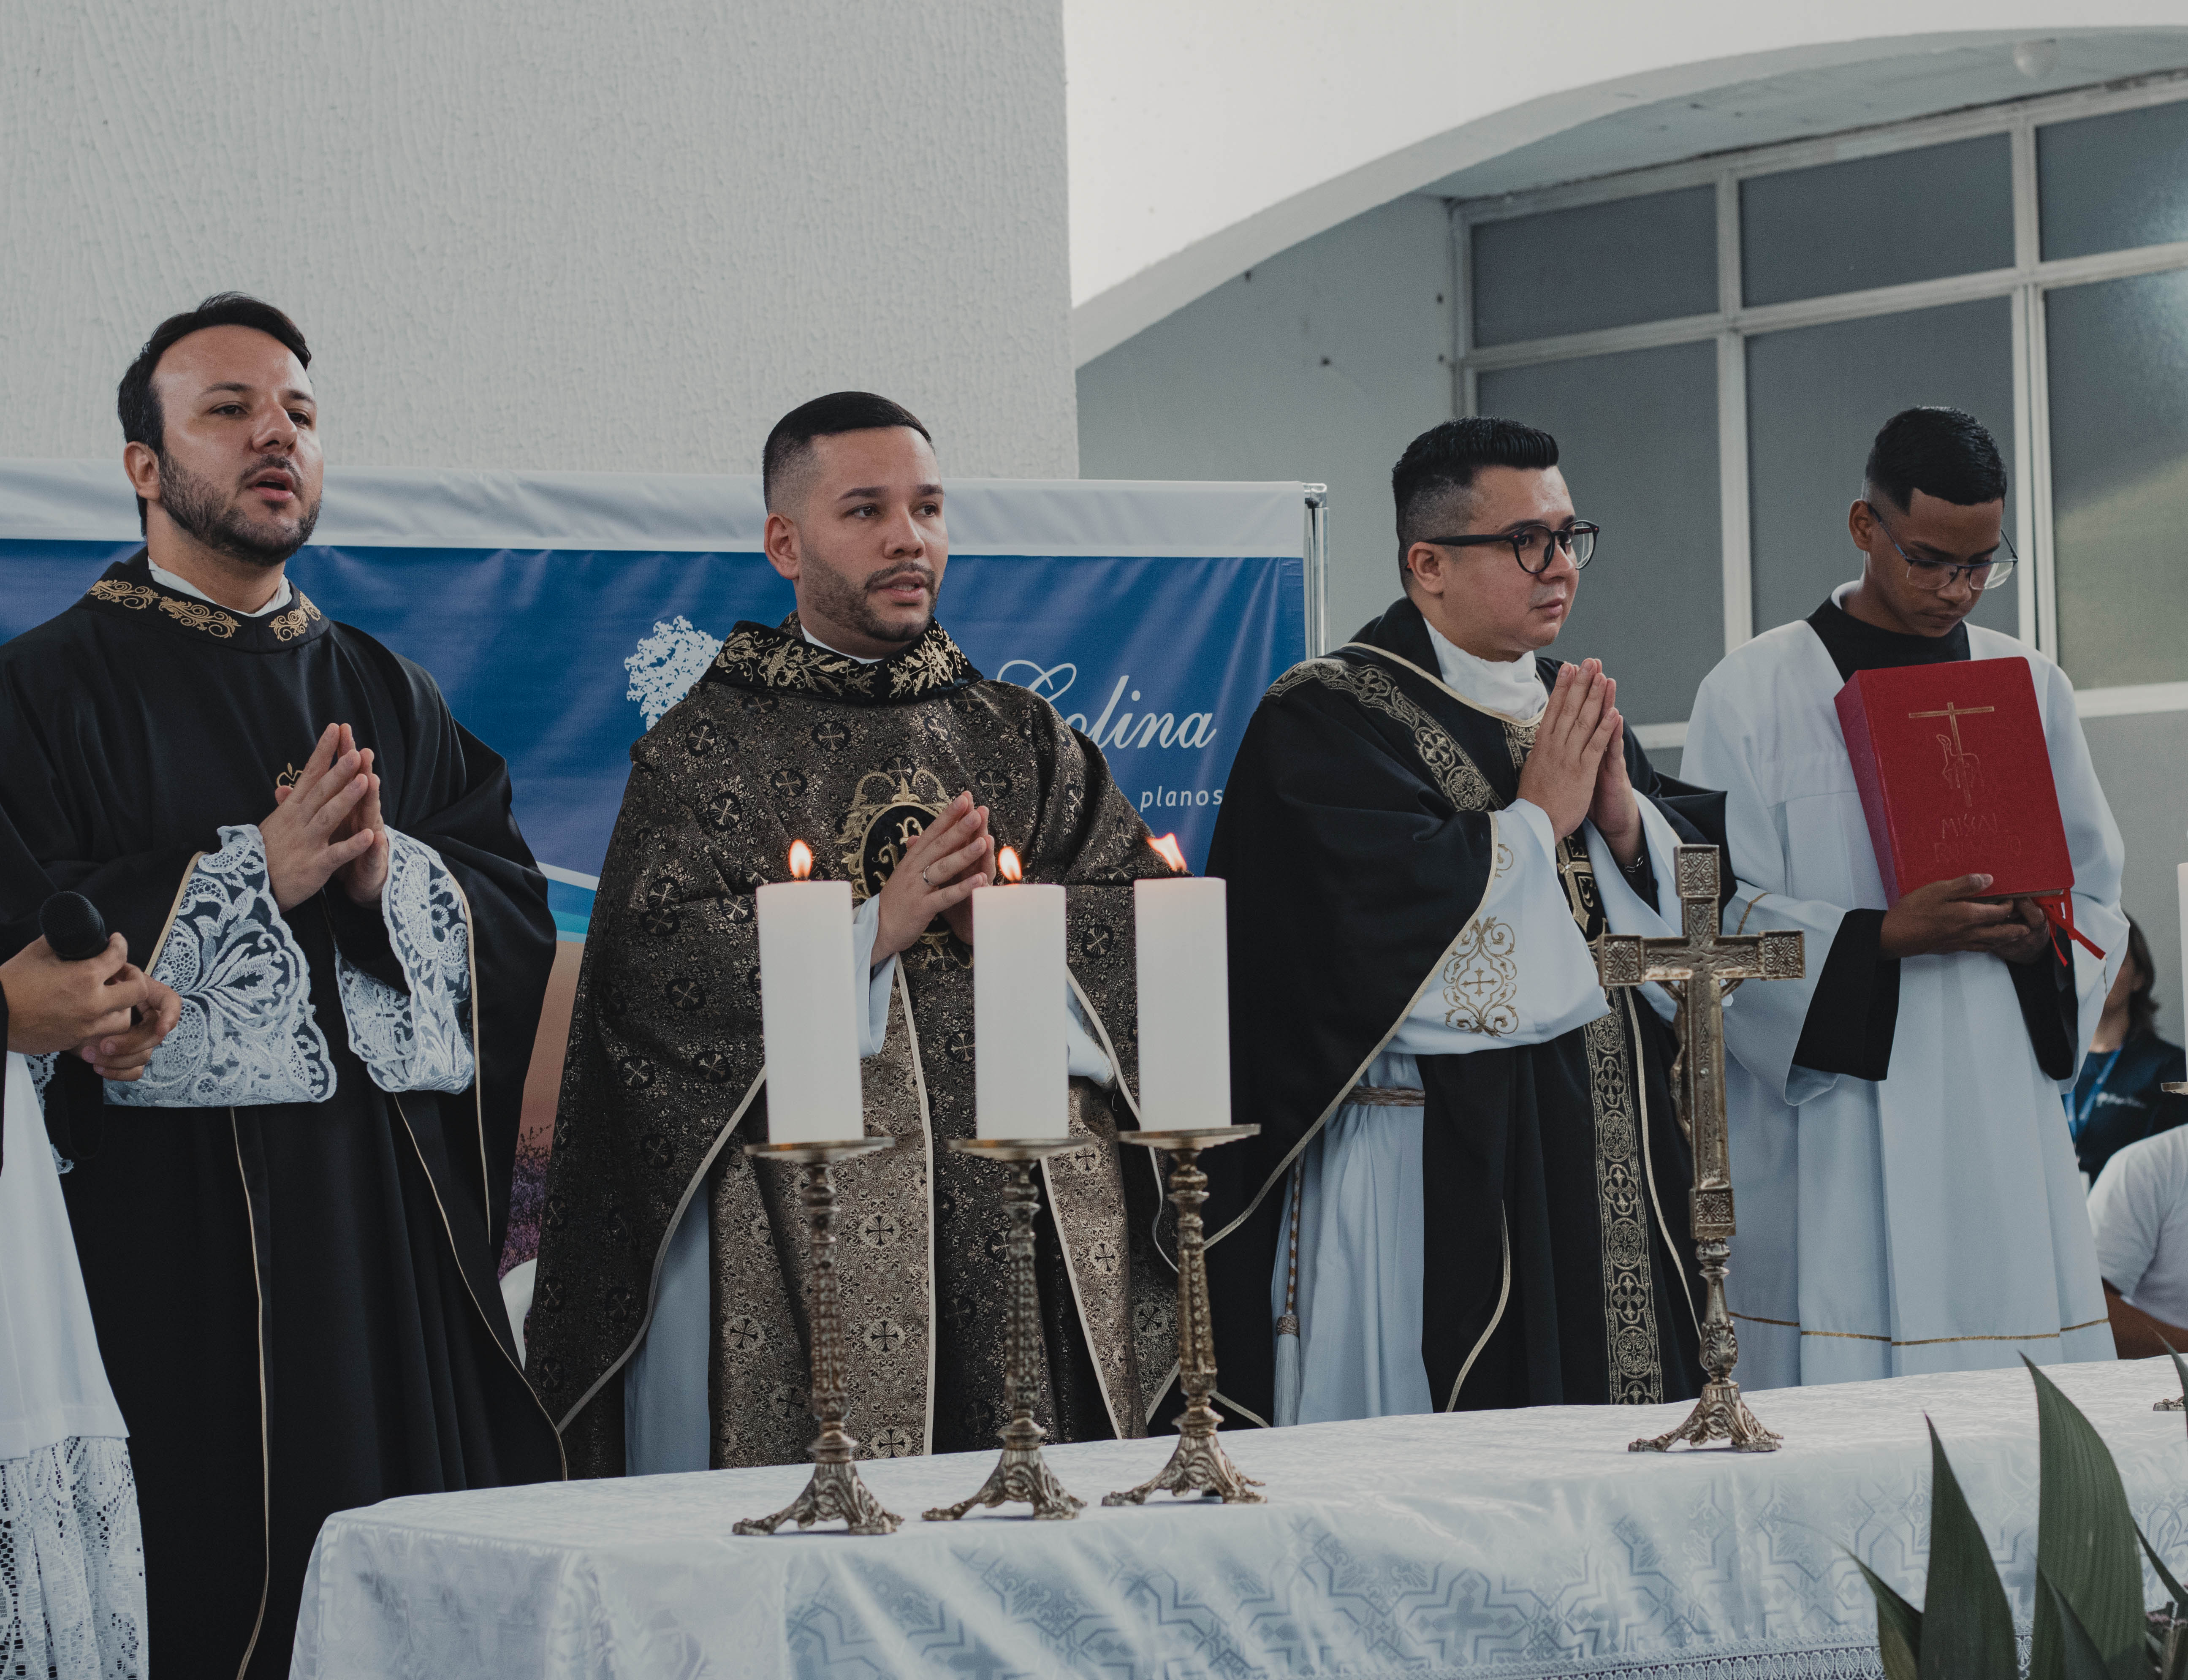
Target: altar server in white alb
x,y
1908,1194
71,1552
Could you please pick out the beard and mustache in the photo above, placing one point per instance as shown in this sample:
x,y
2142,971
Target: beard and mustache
x,y
222,524
847,603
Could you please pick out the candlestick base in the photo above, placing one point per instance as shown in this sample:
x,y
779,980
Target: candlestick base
x,y
1199,1465
1022,1476
1720,1414
835,1489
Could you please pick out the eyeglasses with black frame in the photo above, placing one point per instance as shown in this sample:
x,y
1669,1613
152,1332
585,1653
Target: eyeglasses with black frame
x,y
1533,545
1937,576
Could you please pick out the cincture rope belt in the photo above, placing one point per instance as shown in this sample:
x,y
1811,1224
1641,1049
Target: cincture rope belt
x,y
1386,1096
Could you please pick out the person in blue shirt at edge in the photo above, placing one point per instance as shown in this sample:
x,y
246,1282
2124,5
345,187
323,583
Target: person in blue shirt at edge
x,y
2118,1098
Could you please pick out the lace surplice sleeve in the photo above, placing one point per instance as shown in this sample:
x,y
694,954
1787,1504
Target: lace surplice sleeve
x,y
419,1039
246,1034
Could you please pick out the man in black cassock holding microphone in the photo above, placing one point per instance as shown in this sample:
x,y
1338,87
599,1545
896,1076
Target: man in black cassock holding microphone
x,y
287,1224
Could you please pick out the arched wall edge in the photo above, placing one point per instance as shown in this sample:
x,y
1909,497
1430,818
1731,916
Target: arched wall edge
x,y
1107,318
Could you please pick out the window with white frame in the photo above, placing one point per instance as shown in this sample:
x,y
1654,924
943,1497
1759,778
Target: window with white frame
x,y
1715,344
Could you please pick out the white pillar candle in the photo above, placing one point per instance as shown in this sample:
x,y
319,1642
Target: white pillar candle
x,y
808,1012
2181,879
1021,1065
1185,1004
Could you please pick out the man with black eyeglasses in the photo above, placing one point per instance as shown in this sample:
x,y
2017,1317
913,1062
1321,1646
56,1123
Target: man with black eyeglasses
x,y
1910,1199
1464,1193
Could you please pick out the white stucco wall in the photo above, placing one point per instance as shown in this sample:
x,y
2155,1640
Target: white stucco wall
x,y
550,235
1207,137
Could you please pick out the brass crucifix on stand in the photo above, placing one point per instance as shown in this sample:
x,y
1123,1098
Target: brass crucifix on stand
x,y
1697,968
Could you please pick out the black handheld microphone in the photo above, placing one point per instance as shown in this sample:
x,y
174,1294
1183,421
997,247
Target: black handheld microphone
x,y
73,926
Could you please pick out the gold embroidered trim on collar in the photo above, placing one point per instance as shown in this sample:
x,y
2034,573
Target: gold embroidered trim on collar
x,y
138,597
197,615
200,616
288,626
782,658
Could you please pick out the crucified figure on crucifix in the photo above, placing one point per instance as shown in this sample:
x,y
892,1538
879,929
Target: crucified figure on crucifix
x,y
1699,967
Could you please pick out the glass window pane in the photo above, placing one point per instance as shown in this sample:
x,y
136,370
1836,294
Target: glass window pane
x,y
1816,398
2117,353
2107,183
1602,265
1637,442
1877,221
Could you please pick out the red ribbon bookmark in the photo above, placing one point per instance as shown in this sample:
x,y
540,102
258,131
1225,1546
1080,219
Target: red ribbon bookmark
x,y
2059,911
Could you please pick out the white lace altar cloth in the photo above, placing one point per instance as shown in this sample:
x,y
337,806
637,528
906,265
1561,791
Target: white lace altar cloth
x,y
1512,1544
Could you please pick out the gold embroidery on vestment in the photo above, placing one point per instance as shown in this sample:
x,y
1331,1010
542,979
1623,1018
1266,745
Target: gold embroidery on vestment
x,y
288,626
1629,1294
889,809
1481,978
782,658
196,615
1456,773
200,616
135,596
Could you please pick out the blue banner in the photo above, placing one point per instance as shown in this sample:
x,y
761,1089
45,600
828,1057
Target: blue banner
x,y
559,659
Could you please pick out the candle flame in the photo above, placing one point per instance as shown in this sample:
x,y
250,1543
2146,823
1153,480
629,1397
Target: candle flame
x,y
801,860
1170,852
1007,866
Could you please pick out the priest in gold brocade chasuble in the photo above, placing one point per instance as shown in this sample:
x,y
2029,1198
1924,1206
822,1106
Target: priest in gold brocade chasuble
x,y
667,1329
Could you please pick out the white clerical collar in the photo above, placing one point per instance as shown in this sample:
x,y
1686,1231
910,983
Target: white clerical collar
x,y
816,641
183,586
1513,687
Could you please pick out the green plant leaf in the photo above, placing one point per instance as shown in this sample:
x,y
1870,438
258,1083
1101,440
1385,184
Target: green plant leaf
x,y
2085,1542
1898,1628
2074,1652
2165,1575
1968,1625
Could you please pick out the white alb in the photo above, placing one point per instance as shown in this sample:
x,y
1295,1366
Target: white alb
x,y
71,1555
1934,1220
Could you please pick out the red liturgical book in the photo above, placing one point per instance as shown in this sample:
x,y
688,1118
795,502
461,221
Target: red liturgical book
x,y
1955,779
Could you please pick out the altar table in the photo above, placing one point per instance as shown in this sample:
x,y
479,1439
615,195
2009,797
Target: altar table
x,y
1511,1543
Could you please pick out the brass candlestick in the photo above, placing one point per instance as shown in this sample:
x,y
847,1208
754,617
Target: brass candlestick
x,y
835,1489
1697,966
1199,1465
1022,1474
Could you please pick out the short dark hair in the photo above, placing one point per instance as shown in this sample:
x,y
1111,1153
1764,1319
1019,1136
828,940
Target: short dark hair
x,y
829,416
1431,479
2141,997
1945,452
142,420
